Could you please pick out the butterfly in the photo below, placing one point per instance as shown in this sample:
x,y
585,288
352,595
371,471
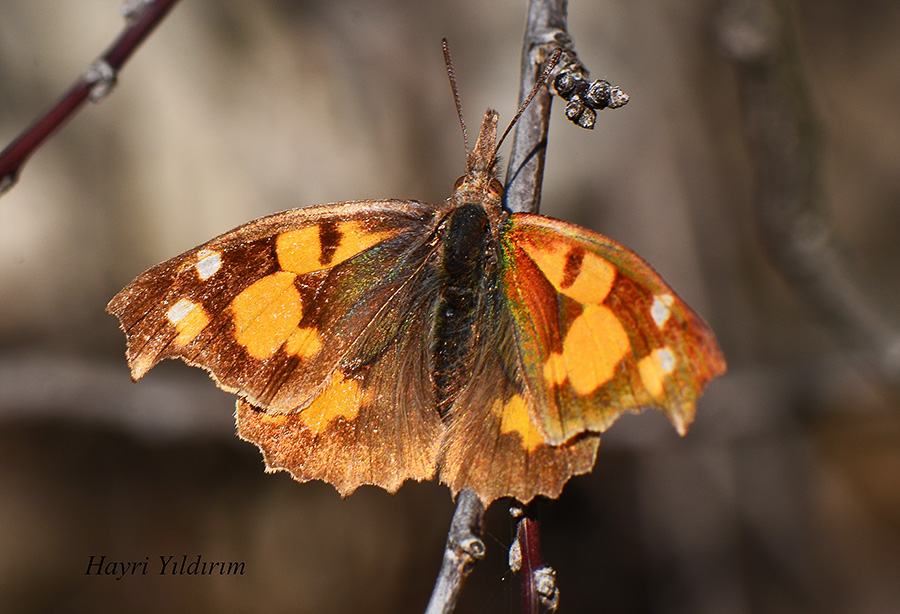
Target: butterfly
x,y
379,341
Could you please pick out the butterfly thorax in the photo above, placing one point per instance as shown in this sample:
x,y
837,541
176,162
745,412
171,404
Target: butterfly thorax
x,y
465,255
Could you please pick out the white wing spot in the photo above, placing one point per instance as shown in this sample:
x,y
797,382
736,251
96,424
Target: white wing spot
x,y
660,311
180,310
208,262
666,360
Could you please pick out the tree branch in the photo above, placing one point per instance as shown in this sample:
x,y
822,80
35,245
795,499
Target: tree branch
x,y
142,17
464,548
782,129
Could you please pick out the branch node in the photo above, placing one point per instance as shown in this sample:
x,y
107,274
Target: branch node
x,y
617,97
464,548
544,580
132,10
472,547
748,31
515,556
100,77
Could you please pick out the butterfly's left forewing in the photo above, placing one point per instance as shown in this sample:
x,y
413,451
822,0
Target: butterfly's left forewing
x,y
598,332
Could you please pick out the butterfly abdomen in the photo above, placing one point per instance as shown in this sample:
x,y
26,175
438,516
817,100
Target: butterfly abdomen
x,y
462,268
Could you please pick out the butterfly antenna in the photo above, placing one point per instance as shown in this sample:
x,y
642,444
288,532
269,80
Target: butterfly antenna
x,y
452,75
551,64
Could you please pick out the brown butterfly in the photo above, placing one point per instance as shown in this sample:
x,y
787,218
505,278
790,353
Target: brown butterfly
x,y
373,342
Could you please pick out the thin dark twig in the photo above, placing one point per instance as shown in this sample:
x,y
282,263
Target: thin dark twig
x,y
96,82
782,130
540,594
464,548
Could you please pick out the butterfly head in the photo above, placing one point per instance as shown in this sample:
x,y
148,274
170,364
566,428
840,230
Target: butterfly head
x,y
480,183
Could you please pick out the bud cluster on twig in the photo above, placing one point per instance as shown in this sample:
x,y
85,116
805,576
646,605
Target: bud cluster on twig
x,y
585,98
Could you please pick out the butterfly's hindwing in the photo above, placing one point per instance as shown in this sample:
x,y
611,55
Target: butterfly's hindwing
x,y
492,444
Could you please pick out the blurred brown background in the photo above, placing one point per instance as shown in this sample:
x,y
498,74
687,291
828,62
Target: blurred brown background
x,y
783,497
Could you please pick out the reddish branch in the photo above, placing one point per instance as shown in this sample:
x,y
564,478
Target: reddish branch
x,y
539,592
142,17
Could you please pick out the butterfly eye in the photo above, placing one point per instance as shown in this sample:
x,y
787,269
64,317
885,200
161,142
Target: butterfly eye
x,y
496,186
459,182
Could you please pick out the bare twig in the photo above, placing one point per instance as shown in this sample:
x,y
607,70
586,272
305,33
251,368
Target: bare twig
x,y
464,548
545,31
142,16
781,127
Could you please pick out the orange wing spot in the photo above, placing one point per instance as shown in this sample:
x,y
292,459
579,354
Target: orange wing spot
x,y
514,418
592,282
266,314
188,318
594,346
343,398
355,238
299,250
555,370
304,342
654,368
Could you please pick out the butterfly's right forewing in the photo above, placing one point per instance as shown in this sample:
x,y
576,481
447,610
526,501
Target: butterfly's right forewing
x,y
598,331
